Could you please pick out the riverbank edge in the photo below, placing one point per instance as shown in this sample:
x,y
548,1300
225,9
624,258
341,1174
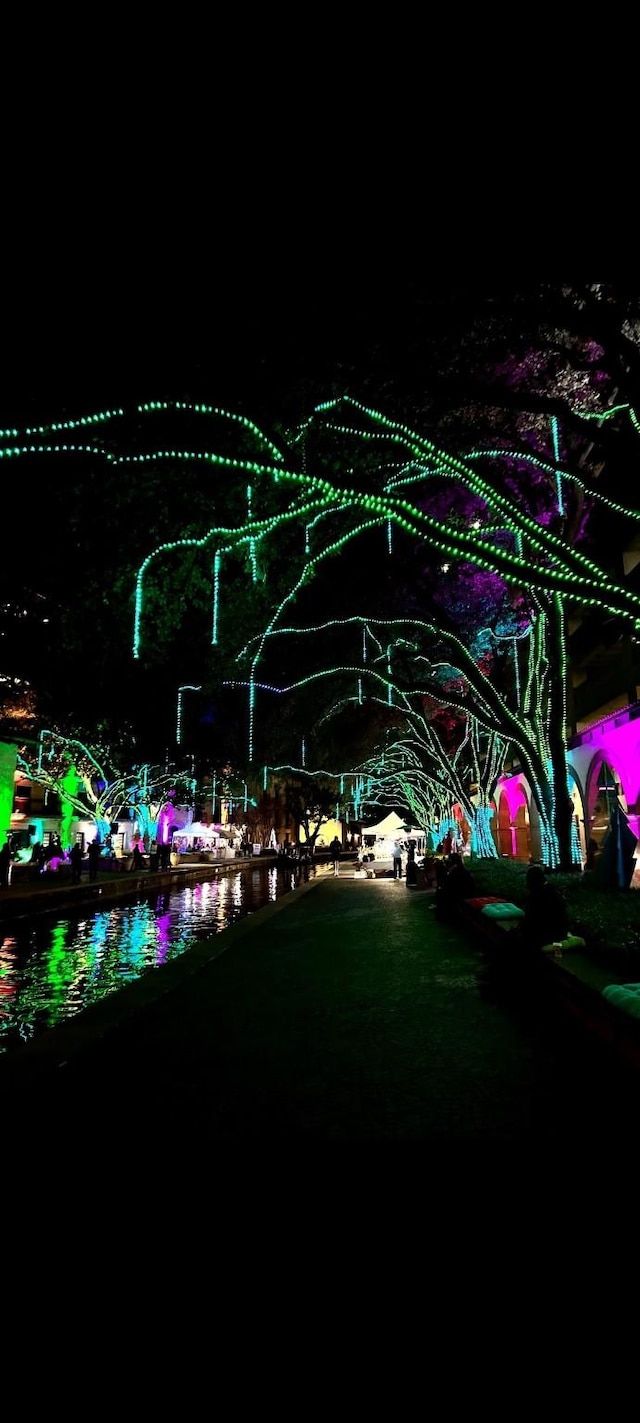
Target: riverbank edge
x,y
22,901
52,1049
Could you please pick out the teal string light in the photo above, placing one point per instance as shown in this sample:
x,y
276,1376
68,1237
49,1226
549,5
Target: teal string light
x,y
187,687
252,708
252,542
217,560
556,455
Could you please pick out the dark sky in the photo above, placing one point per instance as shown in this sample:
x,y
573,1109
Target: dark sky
x,y
95,334
152,272
138,316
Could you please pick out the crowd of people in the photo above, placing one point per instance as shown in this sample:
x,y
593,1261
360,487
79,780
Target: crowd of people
x,y
51,857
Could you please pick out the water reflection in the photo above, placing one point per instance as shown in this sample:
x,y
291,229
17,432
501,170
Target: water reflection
x,y
51,969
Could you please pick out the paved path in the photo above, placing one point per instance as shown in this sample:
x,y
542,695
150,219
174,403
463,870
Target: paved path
x,y
345,1014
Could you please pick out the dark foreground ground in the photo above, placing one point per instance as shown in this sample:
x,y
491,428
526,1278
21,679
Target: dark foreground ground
x,y
344,1016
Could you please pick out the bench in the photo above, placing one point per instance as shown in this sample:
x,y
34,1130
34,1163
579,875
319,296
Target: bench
x,y
497,918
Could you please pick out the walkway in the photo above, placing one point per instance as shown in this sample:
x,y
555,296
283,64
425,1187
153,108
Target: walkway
x,y
347,1014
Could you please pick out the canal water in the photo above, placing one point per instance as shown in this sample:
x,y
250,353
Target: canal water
x,y
54,966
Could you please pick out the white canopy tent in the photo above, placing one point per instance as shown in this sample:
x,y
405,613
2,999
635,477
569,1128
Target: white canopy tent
x,y
198,836
390,829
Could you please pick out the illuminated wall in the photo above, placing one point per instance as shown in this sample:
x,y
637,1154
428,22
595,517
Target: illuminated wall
x,y
8,755
615,741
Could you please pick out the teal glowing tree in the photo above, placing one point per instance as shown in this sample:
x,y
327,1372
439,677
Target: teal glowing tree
x,y
90,788
421,771
355,561
508,675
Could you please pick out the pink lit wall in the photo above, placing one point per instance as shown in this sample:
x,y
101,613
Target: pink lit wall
x,y
615,739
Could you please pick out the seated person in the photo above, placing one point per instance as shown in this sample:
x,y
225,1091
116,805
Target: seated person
x,y
458,883
545,913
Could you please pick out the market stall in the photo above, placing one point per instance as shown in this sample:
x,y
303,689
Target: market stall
x,y
378,841
198,841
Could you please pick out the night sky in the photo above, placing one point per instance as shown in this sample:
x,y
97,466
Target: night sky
x,y
229,334
85,328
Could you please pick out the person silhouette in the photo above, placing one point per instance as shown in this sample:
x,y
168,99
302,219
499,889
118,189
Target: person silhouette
x,y
335,850
545,913
412,868
5,864
457,884
94,858
76,862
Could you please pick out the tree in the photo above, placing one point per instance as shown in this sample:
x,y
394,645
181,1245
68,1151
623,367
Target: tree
x,y
310,803
88,784
544,576
256,822
429,546
419,769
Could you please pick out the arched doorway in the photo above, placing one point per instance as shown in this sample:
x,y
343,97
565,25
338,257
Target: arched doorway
x,y
580,821
521,833
502,823
604,793
513,830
